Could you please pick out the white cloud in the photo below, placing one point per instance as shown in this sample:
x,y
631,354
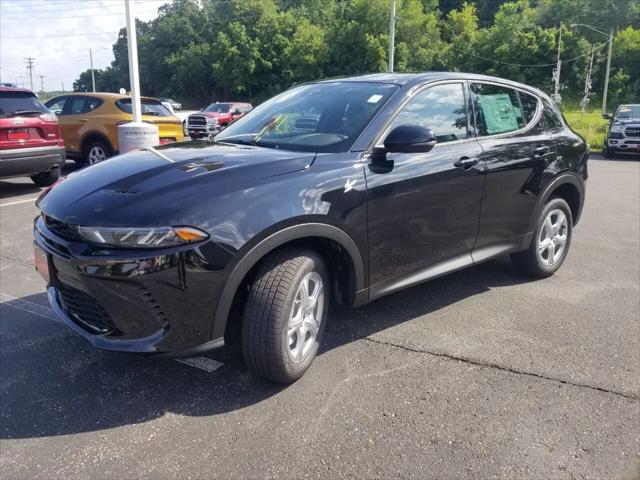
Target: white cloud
x,y
60,52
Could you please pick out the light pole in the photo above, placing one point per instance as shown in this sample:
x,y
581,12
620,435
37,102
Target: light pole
x,y
606,77
392,34
93,77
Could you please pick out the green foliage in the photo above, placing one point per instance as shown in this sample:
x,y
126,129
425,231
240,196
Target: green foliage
x,y
203,50
590,125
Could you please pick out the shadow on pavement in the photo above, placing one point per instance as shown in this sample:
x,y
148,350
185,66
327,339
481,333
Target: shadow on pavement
x,y
55,383
18,186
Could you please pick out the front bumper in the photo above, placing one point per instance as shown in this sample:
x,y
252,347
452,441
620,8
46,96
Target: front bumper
x,y
202,130
149,302
19,162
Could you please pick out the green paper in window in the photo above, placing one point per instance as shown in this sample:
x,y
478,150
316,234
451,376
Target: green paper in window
x,y
499,113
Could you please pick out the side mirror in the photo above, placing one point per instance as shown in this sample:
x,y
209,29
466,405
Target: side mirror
x,y
607,116
201,110
410,139
237,111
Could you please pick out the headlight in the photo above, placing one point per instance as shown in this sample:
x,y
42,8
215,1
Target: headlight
x,y
212,121
613,134
142,237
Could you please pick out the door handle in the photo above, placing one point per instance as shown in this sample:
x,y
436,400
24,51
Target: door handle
x,y
541,150
466,162
84,120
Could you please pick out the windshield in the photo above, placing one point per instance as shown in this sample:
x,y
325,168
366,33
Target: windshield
x,y
149,107
218,108
626,112
320,117
20,103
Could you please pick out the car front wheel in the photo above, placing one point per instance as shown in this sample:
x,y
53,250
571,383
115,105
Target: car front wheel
x,y
550,243
285,315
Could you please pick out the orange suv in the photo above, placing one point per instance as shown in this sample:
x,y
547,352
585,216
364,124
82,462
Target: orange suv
x,y
89,122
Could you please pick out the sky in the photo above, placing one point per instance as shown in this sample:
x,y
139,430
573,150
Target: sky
x,y
59,34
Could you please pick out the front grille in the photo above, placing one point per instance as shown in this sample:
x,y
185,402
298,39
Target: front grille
x,y
632,132
61,229
197,120
86,310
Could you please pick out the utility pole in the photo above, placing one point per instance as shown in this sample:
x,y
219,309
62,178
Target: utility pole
x,y
392,34
93,77
606,75
556,73
587,83
42,82
30,61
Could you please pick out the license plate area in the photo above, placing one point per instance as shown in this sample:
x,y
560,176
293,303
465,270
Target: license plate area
x,y
42,263
18,134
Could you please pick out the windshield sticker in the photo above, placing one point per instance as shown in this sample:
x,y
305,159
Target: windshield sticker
x,y
374,98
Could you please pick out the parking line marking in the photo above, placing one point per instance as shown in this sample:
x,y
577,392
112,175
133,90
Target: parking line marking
x,y
203,363
18,202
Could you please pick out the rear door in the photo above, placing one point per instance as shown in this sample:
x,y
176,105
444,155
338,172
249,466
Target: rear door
x,y
424,208
517,149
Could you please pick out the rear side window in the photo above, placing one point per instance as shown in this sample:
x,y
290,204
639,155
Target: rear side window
x,y
20,103
442,108
529,106
149,107
497,109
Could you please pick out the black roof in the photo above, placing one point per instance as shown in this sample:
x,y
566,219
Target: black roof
x,y
417,78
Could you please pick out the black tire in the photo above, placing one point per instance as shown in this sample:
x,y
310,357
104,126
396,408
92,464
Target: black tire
x,y
270,302
46,179
89,147
607,153
529,261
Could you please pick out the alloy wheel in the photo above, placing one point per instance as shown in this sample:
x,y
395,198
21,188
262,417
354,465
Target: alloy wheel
x,y
553,237
96,155
305,318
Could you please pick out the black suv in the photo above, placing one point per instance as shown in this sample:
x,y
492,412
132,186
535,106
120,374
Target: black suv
x,y
339,191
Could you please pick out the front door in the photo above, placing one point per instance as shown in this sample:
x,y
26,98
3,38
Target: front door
x,y
424,209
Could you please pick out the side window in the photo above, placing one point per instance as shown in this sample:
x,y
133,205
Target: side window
x,y
552,117
529,106
497,109
75,106
56,105
92,104
441,108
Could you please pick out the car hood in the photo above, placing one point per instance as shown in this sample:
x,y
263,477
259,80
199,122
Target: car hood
x,y
147,188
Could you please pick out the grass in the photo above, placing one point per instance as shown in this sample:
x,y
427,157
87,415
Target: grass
x,y
590,125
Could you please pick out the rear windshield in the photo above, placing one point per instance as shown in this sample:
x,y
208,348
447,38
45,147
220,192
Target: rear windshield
x,y
13,104
149,107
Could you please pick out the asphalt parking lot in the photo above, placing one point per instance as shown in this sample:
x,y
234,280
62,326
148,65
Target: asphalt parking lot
x,y
481,374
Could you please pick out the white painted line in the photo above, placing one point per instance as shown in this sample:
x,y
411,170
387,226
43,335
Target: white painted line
x,y
203,363
18,202
27,306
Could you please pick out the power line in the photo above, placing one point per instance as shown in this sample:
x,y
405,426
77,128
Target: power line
x,y
56,17
65,35
538,65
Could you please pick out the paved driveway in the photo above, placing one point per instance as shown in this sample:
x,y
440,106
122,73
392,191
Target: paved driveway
x,y
480,374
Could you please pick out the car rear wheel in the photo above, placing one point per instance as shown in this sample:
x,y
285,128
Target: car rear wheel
x,y
550,243
285,315
96,151
46,179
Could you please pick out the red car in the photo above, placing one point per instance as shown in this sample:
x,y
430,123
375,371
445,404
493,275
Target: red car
x,y
30,140
216,116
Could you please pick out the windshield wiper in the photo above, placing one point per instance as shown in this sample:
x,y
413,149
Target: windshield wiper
x,y
24,112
